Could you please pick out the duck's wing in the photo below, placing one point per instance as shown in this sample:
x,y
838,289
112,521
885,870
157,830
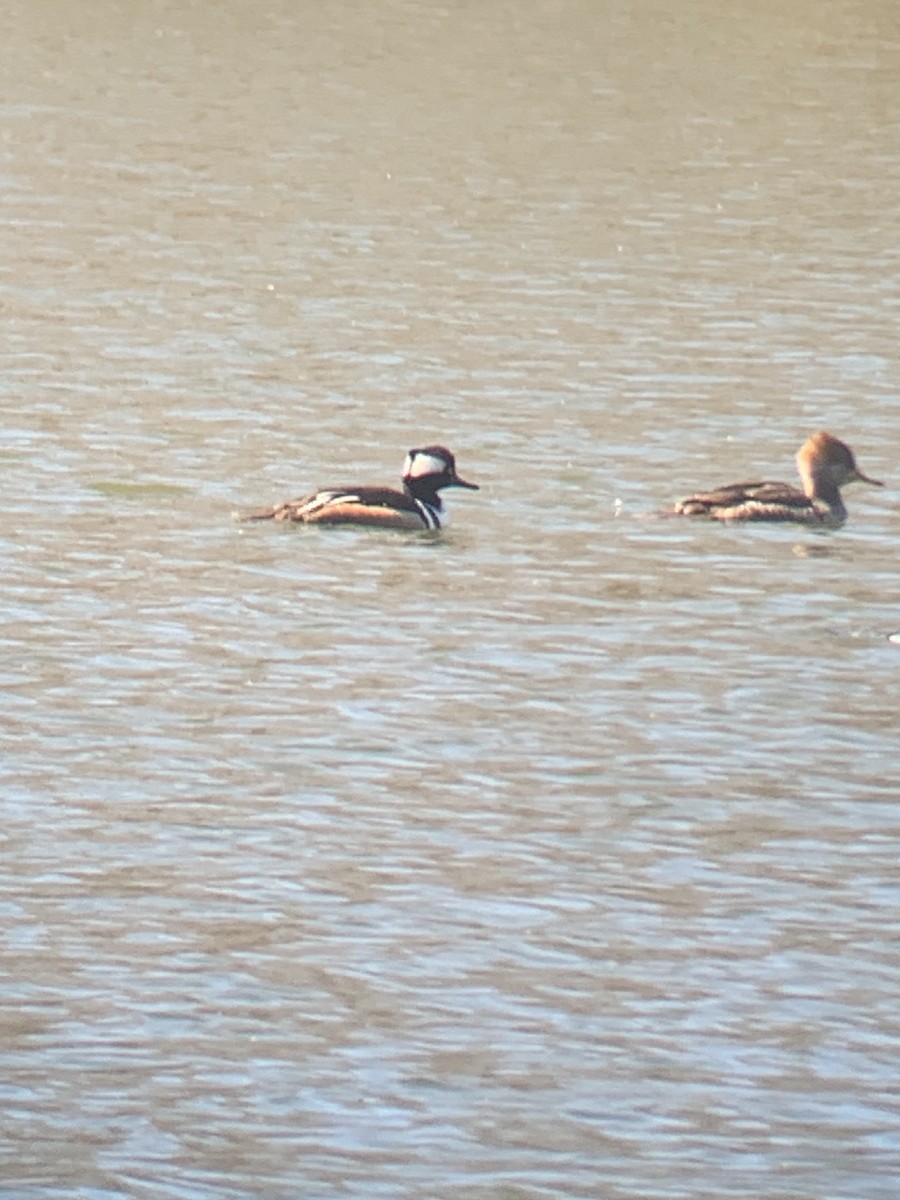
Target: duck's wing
x,y
758,501
381,507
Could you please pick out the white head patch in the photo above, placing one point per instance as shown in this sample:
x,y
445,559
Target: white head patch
x,y
416,466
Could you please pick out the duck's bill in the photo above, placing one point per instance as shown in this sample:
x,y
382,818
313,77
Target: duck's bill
x,y
860,478
473,487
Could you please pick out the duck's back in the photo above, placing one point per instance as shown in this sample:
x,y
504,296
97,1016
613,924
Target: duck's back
x,y
386,507
762,501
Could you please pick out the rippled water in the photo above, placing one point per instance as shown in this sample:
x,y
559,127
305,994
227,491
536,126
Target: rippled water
x,y
553,857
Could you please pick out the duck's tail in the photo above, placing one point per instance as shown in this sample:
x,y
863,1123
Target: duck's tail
x,y
264,514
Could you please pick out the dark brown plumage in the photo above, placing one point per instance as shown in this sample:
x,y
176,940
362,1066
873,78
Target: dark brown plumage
x,y
825,465
418,506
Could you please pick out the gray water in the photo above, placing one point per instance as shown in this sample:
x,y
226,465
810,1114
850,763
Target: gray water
x,y
557,856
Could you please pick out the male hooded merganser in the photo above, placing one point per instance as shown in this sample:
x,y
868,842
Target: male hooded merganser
x,y
825,465
418,506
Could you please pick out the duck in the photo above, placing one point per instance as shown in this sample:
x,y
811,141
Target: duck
x,y
825,464
427,471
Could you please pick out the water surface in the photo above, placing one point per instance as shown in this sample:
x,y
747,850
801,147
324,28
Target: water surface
x,y
556,857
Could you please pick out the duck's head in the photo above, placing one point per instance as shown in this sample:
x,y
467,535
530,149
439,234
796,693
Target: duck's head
x,y
432,468
827,460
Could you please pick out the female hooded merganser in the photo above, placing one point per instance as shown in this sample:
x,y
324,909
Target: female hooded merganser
x,y
825,465
418,506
